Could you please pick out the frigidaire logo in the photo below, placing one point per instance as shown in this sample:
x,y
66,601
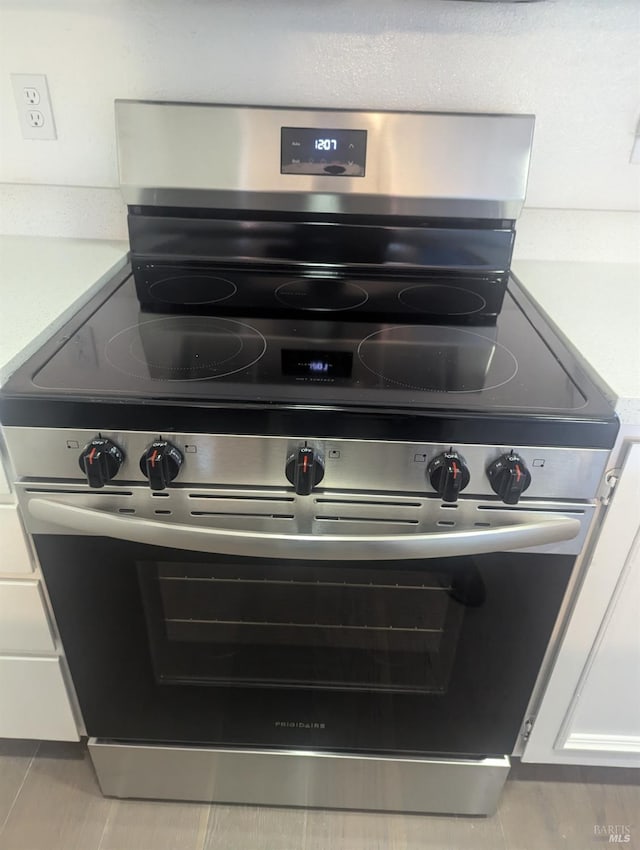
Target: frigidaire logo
x,y
297,724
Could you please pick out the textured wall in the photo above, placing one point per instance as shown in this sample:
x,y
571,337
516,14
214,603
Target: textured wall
x,y
574,63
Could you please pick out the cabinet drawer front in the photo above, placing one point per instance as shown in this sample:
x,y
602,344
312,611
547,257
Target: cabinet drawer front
x,y
33,700
14,550
24,626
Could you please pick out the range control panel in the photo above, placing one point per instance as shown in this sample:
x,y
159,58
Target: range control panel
x,y
305,464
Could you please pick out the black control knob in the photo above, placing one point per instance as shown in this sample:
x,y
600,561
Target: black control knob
x,y
448,475
161,463
509,477
100,461
304,470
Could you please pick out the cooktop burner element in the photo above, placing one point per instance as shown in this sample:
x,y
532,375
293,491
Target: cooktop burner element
x,y
192,289
442,300
185,348
440,359
321,294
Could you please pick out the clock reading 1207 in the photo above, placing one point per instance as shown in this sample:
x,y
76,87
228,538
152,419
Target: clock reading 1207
x,y
326,144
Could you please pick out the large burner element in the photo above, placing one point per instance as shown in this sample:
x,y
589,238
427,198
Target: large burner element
x,y
321,294
441,359
185,348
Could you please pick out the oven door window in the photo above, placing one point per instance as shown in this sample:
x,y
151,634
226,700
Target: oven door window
x,y
430,656
303,625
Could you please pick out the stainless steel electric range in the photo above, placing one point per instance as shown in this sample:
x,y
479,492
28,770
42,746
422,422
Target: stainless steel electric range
x,y
310,482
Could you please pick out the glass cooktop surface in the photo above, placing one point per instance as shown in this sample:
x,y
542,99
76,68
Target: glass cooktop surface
x,y
122,351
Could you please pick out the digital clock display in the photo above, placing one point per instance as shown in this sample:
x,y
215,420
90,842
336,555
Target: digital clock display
x,y
324,152
326,144
316,365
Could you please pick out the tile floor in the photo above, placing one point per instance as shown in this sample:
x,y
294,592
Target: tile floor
x,y
49,800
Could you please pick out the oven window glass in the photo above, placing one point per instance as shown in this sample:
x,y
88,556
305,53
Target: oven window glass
x,y
310,626
431,656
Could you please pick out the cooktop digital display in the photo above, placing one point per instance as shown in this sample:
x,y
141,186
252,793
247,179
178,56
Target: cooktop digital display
x,y
323,152
316,365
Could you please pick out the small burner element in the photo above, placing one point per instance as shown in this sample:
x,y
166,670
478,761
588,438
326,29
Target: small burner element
x,y
442,359
442,299
185,348
190,288
321,294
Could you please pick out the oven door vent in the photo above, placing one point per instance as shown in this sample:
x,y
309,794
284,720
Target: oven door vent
x,y
361,514
252,511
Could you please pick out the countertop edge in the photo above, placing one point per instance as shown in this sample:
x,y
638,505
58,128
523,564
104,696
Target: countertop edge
x,y
625,404
9,367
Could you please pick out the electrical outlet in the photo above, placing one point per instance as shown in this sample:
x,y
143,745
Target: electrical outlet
x,y
35,118
31,96
34,106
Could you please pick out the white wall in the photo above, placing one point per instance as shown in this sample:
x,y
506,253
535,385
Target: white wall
x,y
574,63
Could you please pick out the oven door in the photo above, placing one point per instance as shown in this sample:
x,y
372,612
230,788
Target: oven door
x,y
419,656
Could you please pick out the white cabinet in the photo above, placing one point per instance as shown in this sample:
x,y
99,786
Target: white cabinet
x,y
590,712
24,626
606,716
14,551
34,701
34,698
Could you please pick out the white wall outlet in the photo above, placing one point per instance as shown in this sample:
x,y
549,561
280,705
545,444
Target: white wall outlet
x,y
34,106
31,95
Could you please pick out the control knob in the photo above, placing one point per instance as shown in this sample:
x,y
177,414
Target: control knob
x,y
161,463
509,477
304,469
100,461
448,474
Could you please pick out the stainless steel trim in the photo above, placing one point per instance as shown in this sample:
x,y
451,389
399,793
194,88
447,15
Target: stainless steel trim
x,y
296,778
258,461
221,156
532,530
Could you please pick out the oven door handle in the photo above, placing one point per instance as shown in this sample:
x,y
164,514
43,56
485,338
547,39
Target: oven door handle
x,y
531,529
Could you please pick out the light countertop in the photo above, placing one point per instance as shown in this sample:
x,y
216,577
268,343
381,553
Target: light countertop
x,y
597,308
43,282
595,305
